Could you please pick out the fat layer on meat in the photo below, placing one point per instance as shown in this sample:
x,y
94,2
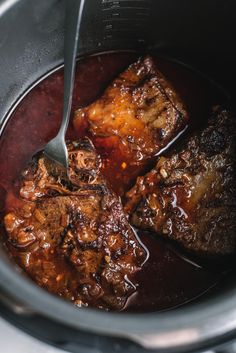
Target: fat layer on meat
x,y
138,115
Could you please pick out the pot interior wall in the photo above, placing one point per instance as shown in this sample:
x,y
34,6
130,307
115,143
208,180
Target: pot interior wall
x,y
31,36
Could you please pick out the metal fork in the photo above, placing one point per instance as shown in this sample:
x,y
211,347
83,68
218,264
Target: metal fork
x,y
56,148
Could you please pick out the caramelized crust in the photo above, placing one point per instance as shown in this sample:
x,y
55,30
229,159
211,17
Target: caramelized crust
x,y
190,195
71,234
137,116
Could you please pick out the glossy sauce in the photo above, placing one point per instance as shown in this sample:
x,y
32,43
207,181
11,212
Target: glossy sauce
x,y
167,279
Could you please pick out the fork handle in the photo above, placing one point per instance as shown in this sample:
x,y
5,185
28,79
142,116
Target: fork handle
x,y
74,10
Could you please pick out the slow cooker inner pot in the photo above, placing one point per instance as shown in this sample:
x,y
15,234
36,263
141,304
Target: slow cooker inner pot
x,y
196,33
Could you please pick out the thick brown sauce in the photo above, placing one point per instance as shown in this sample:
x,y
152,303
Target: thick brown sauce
x,y
166,280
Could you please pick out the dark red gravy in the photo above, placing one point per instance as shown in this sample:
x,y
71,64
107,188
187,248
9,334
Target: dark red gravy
x,y
167,279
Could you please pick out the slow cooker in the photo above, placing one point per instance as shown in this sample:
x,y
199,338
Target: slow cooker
x,y
197,33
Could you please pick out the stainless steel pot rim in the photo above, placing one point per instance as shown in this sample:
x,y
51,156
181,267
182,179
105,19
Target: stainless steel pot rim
x,y
200,321
186,325
191,324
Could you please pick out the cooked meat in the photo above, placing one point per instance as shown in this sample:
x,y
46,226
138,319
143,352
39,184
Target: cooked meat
x,y
44,178
71,234
137,116
190,196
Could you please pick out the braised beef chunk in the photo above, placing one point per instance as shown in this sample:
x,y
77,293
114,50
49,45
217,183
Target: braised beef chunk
x,y
138,115
190,196
44,178
71,234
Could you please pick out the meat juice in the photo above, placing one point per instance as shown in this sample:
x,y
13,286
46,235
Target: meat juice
x,y
167,279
